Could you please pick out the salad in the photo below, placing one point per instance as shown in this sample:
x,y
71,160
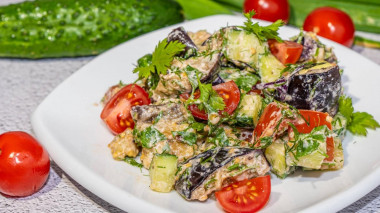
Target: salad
x,y
213,114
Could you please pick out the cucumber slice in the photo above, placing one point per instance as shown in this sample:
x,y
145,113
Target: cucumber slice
x,y
249,109
275,154
313,160
162,172
270,68
244,47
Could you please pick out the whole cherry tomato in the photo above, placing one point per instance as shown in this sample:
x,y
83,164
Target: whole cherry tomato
x,y
331,23
24,164
269,10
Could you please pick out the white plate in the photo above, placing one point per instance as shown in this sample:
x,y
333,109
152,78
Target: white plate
x,y
67,123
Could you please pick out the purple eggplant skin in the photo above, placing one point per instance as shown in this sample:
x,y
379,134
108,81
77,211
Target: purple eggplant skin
x,y
179,34
204,165
316,89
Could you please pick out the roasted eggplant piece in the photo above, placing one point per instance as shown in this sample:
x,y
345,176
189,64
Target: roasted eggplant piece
x,y
313,49
154,125
208,65
179,34
211,170
316,88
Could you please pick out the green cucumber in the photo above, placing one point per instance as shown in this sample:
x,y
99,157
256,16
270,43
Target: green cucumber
x,y
276,156
270,68
68,28
162,172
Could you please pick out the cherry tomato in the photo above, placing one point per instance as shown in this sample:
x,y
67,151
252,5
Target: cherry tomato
x,y
24,164
288,52
272,115
116,113
245,196
331,23
269,10
230,93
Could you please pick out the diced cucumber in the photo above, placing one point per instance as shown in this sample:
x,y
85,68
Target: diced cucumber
x,y
276,156
270,68
162,172
249,109
244,47
313,160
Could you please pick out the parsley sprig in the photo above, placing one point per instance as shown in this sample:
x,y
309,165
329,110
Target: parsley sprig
x,y
162,57
357,122
263,33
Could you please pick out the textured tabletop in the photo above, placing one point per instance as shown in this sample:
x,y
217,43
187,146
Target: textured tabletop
x,y
25,83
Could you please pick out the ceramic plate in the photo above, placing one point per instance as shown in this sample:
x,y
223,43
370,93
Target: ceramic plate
x,y
67,123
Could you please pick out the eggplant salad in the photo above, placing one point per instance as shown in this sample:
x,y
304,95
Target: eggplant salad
x,y
214,114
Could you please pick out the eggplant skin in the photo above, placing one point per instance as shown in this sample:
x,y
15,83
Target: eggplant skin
x,y
196,172
179,34
316,89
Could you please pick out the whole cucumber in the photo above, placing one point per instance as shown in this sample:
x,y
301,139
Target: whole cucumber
x,y
68,28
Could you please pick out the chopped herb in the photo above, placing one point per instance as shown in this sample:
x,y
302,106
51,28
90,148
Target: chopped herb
x,y
149,136
212,180
262,33
189,138
133,162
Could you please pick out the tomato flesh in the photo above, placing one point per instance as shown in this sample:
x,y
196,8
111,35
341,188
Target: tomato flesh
x,y
272,115
116,113
245,196
230,93
287,52
269,10
24,164
331,23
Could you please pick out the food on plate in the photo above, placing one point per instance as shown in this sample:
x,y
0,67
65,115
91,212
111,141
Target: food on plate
x,y
24,164
228,108
67,28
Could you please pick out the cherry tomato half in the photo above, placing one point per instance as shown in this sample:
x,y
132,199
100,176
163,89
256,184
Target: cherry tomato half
x,y
230,93
116,113
24,164
331,23
245,196
288,52
269,10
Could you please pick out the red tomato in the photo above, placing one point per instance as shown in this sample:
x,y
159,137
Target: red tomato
x,y
116,113
230,93
24,164
245,196
272,115
316,119
269,10
331,23
288,52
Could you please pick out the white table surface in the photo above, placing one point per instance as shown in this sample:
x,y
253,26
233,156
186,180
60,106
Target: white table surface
x,y
25,83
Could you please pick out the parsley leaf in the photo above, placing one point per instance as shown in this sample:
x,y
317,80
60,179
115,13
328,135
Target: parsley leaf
x,y
357,122
262,33
161,58
361,121
346,108
210,98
